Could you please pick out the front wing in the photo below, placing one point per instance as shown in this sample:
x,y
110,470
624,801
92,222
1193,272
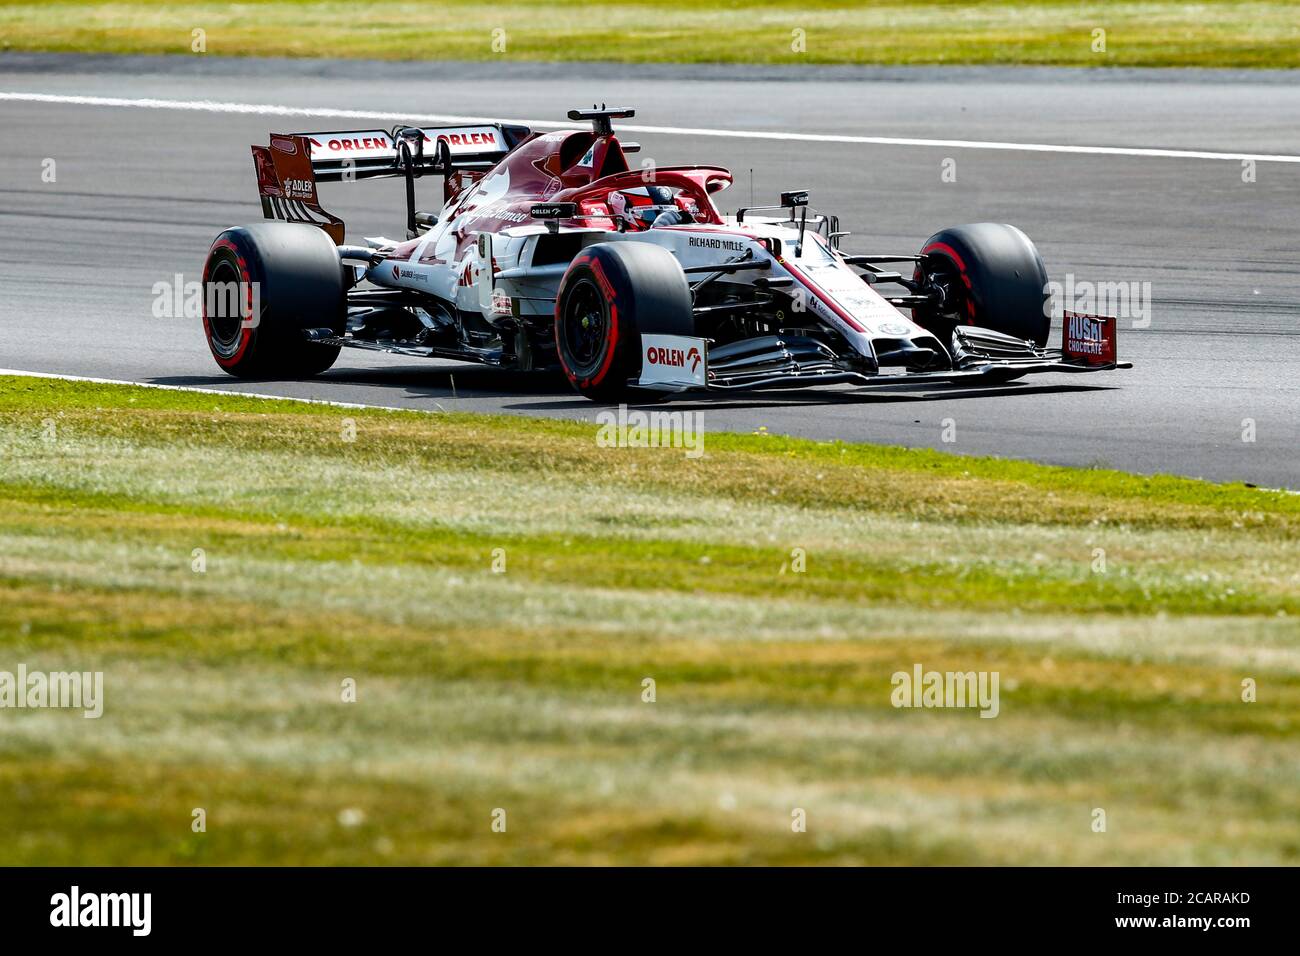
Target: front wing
x,y
672,363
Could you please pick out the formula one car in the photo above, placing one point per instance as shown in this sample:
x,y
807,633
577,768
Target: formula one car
x,y
550,250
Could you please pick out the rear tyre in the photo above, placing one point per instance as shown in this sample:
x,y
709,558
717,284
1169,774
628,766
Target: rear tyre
x,y
612,293
992,277
298,279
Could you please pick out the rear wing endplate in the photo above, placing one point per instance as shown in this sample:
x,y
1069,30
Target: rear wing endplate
x,y
291,166
286,184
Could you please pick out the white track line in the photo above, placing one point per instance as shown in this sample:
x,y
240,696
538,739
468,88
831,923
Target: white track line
x,y
227,392
266,109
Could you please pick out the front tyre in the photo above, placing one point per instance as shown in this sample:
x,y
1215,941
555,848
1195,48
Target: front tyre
x,y
612,293
991,276
263,285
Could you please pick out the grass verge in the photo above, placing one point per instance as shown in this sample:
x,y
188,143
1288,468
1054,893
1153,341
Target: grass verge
x,y
1231,33
499,590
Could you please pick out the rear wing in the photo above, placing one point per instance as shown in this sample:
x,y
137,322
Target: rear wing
x,y
289,169
370,153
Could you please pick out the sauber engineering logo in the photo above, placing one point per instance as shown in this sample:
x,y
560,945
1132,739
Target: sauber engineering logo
x,y
677,358
399,273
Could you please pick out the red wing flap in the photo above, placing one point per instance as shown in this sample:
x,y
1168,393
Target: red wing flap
x,y
1089,339
287,185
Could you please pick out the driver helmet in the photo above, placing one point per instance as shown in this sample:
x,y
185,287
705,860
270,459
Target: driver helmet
x,y
642,216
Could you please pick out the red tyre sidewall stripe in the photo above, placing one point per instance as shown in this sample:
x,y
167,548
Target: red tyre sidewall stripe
x,y
612,297
602,280
559,307
952,254
246,336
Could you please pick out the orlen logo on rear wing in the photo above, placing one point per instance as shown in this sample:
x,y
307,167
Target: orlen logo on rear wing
x,y
288,169
368,153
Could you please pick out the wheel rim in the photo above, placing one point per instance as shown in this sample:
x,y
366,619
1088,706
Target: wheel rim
x,y
225,331
584,325
955,308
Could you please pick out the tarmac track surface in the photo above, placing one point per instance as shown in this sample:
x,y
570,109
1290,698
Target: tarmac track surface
x,y
141,191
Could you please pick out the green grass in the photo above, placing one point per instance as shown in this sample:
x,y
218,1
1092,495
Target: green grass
x,y
1058,32
329,559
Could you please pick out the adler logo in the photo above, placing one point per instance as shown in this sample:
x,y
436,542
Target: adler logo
x,y
677,358
300,189
130,910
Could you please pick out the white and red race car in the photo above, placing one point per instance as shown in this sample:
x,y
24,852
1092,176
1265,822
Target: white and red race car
x,y
551,250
